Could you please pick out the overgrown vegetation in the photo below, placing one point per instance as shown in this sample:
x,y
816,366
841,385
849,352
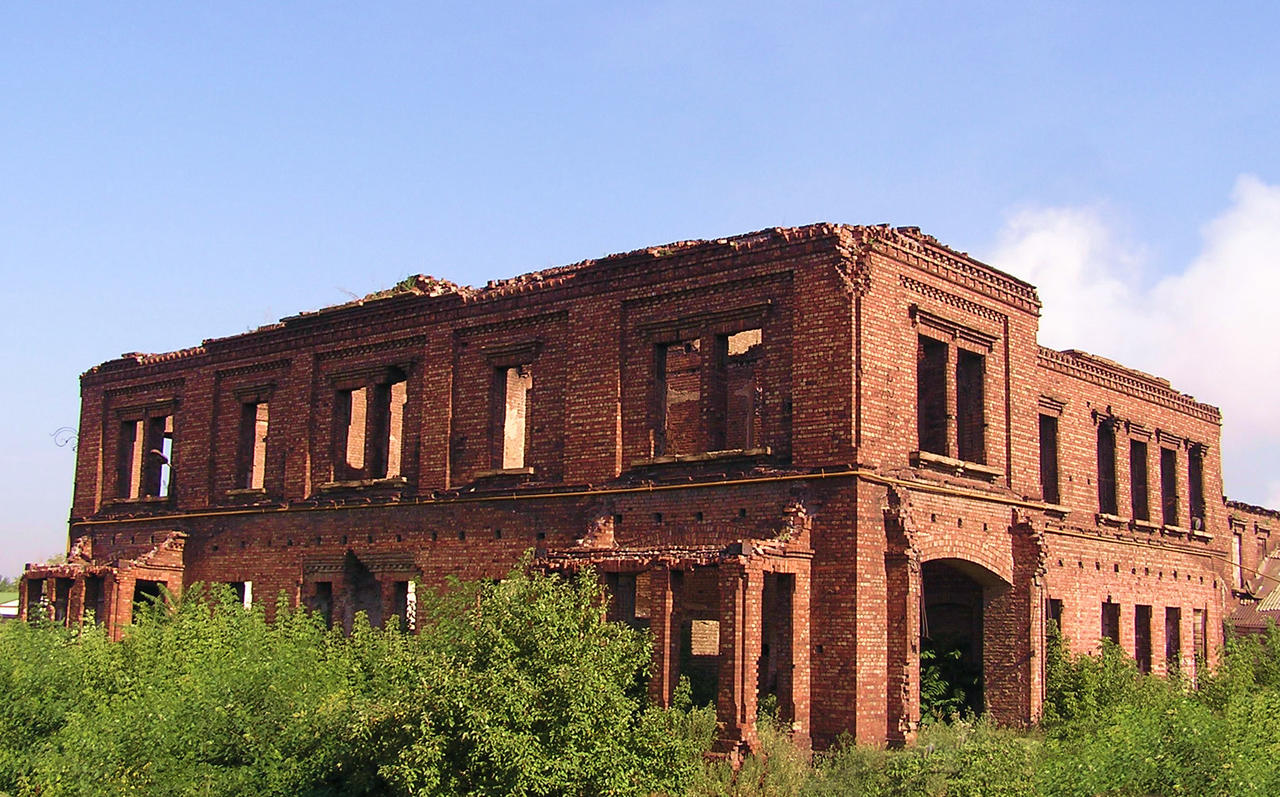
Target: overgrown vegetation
x,y
521,688
1107,730
510,688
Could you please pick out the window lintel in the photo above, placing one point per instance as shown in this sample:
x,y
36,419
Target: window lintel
x,y
152,409
720,322
953,330
512,355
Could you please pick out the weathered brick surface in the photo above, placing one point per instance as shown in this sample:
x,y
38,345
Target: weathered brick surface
x,y
818,555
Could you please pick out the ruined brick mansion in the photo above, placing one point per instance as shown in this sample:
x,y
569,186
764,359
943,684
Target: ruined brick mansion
x,y
796,456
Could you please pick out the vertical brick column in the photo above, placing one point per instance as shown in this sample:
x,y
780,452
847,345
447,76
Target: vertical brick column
x,y
93,475
798,671
593,395
953,406
434,418
741,596
294,445
870,613
664,622
194,447
75,602
902,583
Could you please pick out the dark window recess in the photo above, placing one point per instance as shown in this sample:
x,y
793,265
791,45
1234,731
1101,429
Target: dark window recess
x,y
1169,486
251,452
622,594
321,601
94,607
36,606
1195,474
1138,480
1107,468
1055,612
1111,621
1199,635
1049,459
146,593
61,598
931,395
401,604
1172,638
1142,637
971,407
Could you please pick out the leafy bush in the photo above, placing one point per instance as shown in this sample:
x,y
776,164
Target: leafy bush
x,y
518,687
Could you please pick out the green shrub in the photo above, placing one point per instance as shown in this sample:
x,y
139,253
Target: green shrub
x,y
511,688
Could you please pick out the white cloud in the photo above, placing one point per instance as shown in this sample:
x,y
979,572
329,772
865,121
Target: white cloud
x,y
1207,327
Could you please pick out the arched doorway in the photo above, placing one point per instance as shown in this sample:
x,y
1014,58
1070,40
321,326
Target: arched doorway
x,y
956,660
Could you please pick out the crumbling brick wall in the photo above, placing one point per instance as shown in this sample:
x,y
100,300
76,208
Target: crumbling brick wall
x,y
784,436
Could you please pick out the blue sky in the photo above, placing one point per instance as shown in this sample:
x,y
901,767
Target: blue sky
x,y
176,171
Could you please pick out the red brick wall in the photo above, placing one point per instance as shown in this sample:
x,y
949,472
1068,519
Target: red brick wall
x,y
841,311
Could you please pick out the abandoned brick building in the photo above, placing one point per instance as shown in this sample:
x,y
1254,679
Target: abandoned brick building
x,y
795,456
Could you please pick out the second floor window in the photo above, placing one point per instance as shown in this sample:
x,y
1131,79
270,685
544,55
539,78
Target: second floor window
x,y
144,454
369,428
951,400
1169,486
709,393
512,388
1138,480
251,453
1107,467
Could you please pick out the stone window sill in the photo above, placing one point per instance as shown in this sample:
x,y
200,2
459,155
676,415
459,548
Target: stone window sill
x,y
242,492
706,456
1108,519
953,466
489,474
146,499
1057,510
363,484
1146,525
1175,531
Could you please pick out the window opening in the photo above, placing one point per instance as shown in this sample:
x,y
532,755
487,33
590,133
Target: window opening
x,y
740,355
1199,635
1195,479
1138,480
404,604
243,591
251,462
679,376
1055,611
369,428
1169,486
1172,638
1049,459
1111,621
399,400
61,598
970,406
321,601
1142,637
143,456
931,395
1107,468
1237,561
513,387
